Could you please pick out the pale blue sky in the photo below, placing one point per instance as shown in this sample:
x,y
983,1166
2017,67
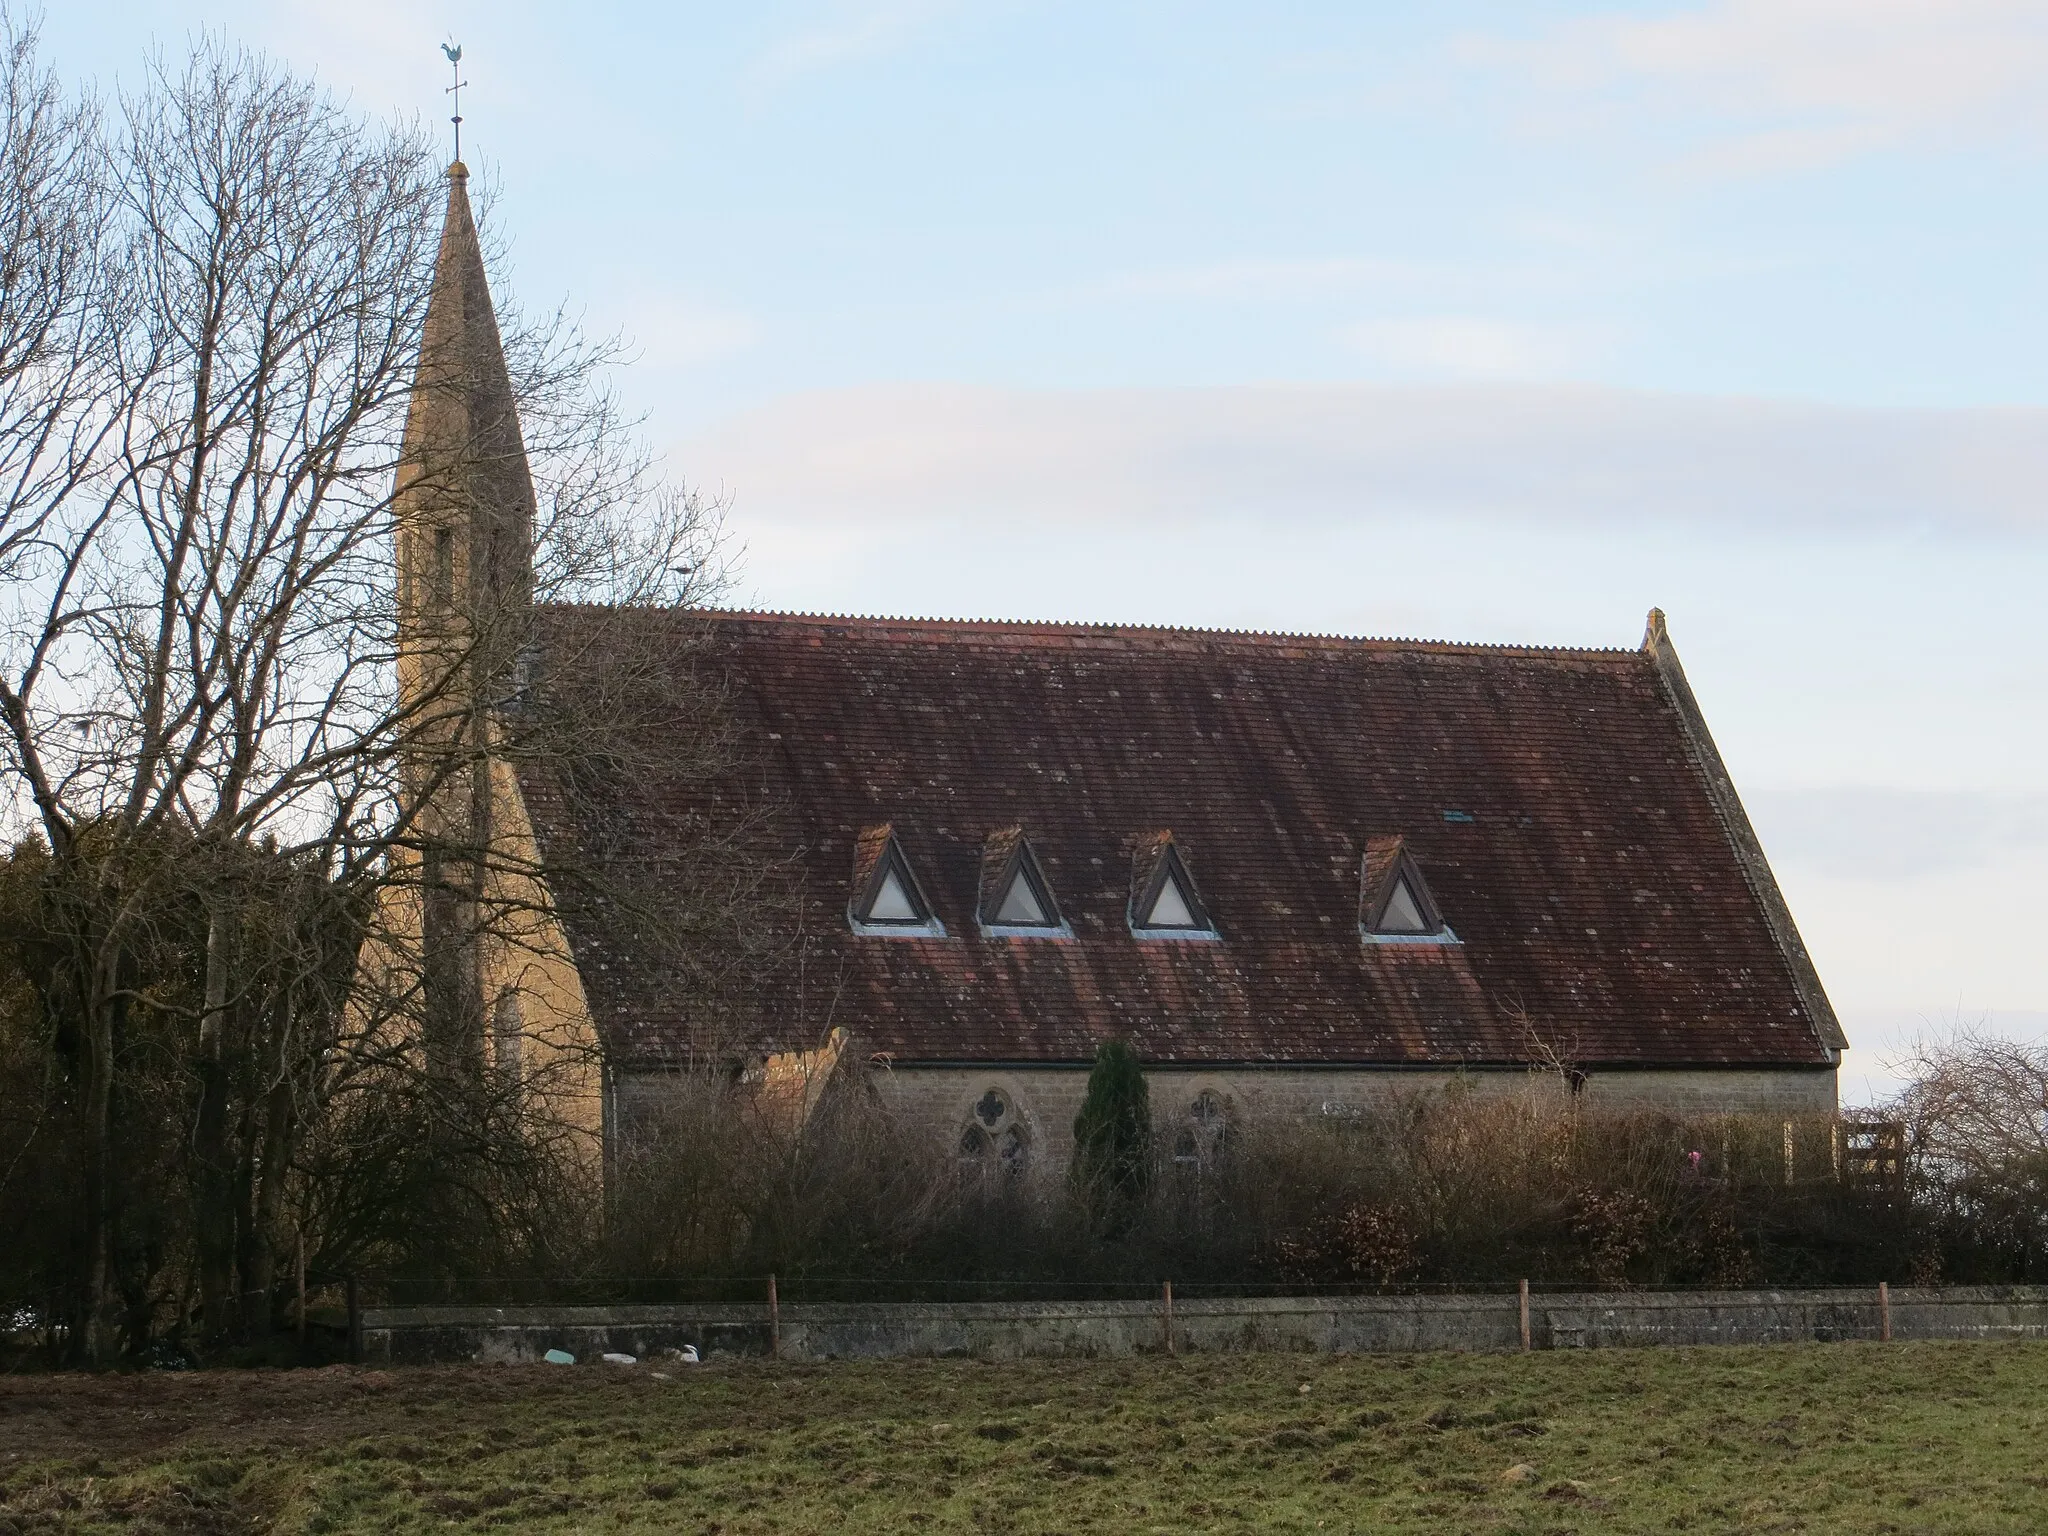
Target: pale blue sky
x,y
1485,321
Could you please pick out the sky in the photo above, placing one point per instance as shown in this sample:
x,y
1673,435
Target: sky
x,y
1474,321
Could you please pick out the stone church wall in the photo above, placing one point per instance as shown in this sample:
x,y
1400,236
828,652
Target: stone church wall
x,y
1043,1101
1040,1102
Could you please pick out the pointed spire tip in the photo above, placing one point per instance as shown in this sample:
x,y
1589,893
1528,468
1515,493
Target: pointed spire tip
x,y
457,171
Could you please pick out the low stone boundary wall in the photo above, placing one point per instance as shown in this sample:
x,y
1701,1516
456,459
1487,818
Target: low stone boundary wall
x,y
1092,1329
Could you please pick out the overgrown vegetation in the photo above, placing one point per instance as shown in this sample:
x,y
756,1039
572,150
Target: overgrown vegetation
x,y
1474,1185
1849,1438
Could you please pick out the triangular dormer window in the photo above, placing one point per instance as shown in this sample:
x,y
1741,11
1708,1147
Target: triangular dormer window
x,y
1021,906
893,902
1016,898
1164,903
1403,913
1170,908
886,898
1395,904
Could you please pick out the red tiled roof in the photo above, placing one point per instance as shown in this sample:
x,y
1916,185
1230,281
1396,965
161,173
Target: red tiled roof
x,y
1595,886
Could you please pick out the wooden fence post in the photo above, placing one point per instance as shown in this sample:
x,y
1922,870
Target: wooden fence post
x,y
1166,1297
302,1294
1525,1316
774,1322
1884,1311
355,1325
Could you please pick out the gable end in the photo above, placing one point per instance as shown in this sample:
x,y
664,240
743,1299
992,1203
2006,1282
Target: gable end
x,y
1742,838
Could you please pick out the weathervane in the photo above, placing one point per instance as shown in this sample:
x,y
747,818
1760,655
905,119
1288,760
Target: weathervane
x,y
454,51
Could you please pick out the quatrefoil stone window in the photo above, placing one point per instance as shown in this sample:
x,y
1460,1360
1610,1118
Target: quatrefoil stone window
x,y
994,1138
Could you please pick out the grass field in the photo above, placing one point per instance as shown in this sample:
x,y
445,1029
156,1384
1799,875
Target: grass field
x,y
1846,1437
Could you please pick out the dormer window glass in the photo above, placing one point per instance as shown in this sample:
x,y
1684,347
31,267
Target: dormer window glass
x,y
1395,905
1402,913
886,900
1164,902
1021,906
1170,907
893,903
1016,898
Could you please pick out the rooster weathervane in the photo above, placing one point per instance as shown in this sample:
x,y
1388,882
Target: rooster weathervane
x,y
453,50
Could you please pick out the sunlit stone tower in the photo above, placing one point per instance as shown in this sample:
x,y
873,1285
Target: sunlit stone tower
x,y
464,512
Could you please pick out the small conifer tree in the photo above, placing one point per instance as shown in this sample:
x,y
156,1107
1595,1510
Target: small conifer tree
x,y
1113,1134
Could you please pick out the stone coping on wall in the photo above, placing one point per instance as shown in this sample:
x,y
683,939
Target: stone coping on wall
x,y
1093,1329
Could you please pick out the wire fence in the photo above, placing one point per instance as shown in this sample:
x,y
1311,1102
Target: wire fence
x,y
801,1290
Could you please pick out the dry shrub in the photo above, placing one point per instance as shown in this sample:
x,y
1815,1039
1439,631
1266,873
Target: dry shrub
x,y
1445,1187
1464,1187
1613,1229
1366,1243
714,1180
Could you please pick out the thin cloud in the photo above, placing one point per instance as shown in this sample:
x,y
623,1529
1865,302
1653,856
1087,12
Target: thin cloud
x,y
1464,347
1309,454
1794,84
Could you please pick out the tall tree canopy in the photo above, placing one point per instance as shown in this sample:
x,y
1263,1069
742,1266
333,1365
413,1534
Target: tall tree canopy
x,y
211,301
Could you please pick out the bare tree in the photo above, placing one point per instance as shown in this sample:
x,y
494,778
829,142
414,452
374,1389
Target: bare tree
x,y
56,376
1975,1108
1978,1102
208,340
57,292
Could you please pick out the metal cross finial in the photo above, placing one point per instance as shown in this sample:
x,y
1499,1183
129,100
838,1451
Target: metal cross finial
x,y
454,51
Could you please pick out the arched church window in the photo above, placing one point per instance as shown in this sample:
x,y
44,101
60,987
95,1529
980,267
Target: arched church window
x,y
1203,1133
995,1136
508,1034
444,568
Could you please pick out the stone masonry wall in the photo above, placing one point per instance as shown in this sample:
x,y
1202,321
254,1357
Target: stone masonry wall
x,y
1047,1098
1093,1329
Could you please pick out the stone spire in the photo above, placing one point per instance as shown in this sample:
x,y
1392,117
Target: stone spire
x,y
463,507
464,504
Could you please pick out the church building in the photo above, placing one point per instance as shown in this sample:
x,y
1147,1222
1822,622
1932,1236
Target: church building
x,y
1297,873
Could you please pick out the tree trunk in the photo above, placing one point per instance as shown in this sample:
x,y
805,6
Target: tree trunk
x,y
214,1203
104,1006
250,1318
278,1125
